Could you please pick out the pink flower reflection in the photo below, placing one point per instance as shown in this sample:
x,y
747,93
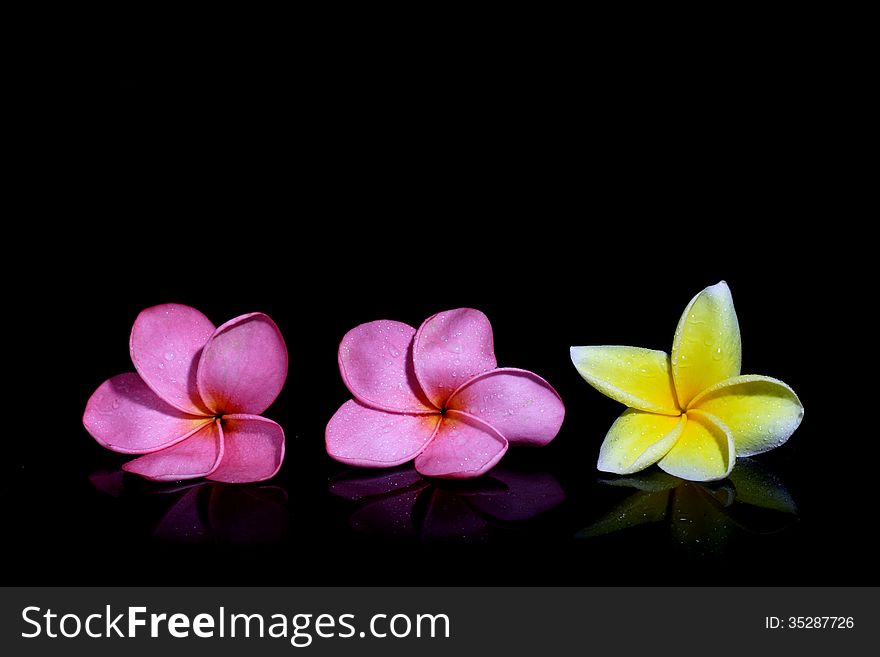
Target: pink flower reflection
x,y
403,503
227,515
207,512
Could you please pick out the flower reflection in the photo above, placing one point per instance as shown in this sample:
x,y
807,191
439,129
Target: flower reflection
x,y
209,512
402,503
702,515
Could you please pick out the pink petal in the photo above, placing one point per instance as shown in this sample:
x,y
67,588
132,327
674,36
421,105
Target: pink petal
x,y
375,360
367,437
126,416
253,449
243,365
197,456
463,447
521,405
450,348
165,345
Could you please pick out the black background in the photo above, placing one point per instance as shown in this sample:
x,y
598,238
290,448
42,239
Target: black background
x,y
574,199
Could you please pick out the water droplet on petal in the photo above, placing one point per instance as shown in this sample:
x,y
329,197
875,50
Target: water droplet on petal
x,y
169,355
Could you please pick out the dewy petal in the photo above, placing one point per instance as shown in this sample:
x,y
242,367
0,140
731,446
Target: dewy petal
x,y
463,447
243,365
704,451
166,342
637,440
375,360
760,412
521,405
450,348
639,378
197,456
370,438
126,416
707,347
253,449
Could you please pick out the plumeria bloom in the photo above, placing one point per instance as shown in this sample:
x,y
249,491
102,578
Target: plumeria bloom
x,y
193,407
693,413
436,396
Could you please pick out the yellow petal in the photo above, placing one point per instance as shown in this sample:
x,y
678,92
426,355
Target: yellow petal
x,y
704,452
760,412
639,378
707,347
637,440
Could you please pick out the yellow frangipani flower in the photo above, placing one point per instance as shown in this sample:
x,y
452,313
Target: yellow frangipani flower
x,y
691,414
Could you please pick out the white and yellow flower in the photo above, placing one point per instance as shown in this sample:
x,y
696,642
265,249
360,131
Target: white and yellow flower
x,y
691,414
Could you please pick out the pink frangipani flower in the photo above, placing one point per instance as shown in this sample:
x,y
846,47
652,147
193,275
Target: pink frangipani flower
x,y
193,408
435,395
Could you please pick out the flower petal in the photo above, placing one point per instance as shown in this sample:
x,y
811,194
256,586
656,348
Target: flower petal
x,y
639,378
463,447
519,404
243,365
375,360
126,416
197,456
166,342
707,347
704,451
370,438
637,440
760,412
450,348
253,449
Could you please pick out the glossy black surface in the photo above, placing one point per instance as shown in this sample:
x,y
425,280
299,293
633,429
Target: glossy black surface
x,y
568,220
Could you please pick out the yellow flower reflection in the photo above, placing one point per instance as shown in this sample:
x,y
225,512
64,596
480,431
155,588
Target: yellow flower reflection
x,y
699,515
693,413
